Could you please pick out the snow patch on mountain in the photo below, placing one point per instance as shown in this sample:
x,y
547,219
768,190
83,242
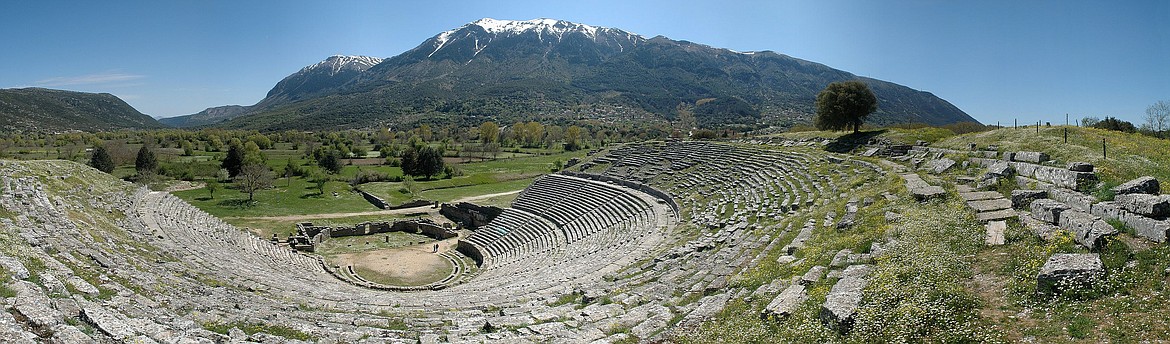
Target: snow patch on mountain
x,y
336,63
542,27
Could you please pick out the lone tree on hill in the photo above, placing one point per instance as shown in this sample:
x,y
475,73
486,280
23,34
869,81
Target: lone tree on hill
x,y
252,178
145,163
844,104
101,160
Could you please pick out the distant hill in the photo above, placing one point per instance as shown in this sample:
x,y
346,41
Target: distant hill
x,y
206,117
549,69
311,81
40,109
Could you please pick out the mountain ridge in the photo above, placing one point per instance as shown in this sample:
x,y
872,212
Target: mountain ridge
x,y
44,109
562,71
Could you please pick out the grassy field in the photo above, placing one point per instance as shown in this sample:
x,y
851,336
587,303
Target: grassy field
x,y
297,196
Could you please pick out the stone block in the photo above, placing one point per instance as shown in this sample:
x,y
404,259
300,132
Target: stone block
x,y
1149,228
786,303
927,193
1001,169
1065,271
1048,210
1145,185
1023,198
995,230
1088,230
1076,200
1032,157
1145,204
813,275
841,304
989,205
939,166
1080,166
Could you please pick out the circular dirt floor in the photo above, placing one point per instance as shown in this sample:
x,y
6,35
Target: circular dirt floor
x,y
404,266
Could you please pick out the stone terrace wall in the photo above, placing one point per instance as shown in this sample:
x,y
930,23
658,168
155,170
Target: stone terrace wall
x,y
366,228
470,215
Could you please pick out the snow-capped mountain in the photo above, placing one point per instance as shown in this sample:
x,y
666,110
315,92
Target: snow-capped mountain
x,y
311,81
547,69
330,73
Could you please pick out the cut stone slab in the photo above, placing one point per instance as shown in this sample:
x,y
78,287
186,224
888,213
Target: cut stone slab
x,y
1145,204
840,307
990,205
1023,198
1145,185
786,303
996,215
14,266
1032,157
1149,228
1066,271
1001,169
995,230
1048,210
841,258
939,166
1088,230
813,275
927,193
1080,166
980,195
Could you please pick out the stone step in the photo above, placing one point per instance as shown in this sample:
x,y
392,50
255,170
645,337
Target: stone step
x,y
990,205
995,230
996,215
979,195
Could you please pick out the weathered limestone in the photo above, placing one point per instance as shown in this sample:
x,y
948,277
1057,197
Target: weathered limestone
x,y
14,266
1080,166
841,304
786,303
1024,198
813,275
938,166
1065,271
990,205
35,306
1032,157
1145,204
995,230
920,189
1076,200
1088,230
1153,229
1048,210
1001,169
1145,185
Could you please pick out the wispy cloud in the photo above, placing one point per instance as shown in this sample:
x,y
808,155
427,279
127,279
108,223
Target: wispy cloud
x,y
90,79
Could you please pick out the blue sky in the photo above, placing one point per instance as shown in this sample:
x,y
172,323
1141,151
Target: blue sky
x,y
996,60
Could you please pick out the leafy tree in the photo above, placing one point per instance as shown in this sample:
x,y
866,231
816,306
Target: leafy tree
x,y
1111,123
489,132
252,178
319,179
145,163
844,104
211,187
234,160
426,161
223,175
101,160
330,161
573,138
290,169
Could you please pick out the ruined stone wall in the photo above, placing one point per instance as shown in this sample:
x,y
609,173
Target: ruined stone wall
x,y
470,215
